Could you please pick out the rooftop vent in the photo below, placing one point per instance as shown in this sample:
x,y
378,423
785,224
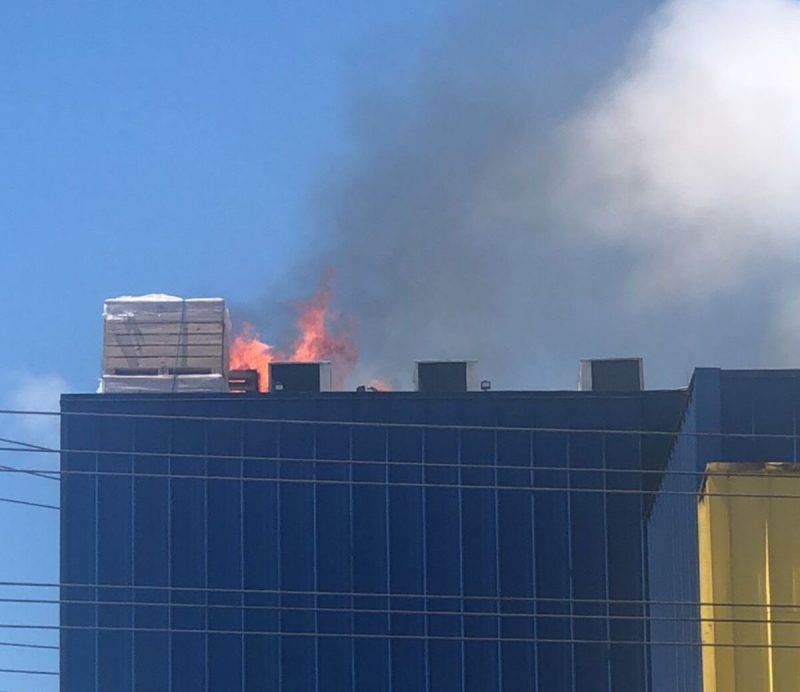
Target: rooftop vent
x,y
612,375
300,378
445,376
243,381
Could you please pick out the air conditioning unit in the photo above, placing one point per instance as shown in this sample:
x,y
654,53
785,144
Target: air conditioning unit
x,y
299,378
611,375
445,376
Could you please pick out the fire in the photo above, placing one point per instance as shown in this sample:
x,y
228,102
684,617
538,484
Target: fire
x,y
322,335
379,385
248,352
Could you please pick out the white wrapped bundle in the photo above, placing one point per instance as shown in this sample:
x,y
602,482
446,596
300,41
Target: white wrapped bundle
x,y
161,336
158,308
118,384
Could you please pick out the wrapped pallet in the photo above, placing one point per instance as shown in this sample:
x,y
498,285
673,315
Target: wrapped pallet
x,y
160,343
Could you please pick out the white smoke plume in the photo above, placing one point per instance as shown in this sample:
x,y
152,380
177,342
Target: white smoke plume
x,y
29,392
515,207
693,152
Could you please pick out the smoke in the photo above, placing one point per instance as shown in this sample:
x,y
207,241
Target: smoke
x,y
29,392
693,153
514,203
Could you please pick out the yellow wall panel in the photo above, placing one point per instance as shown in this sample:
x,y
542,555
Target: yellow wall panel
x,y
749,542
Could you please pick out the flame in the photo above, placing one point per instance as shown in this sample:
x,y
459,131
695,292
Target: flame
x,y
248,352
322,335
379,385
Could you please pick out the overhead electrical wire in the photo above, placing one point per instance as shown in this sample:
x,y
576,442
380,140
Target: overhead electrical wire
x,y
26,446
23,645
394,462
406,465
38,474
251,591
27,503
389,612
20,671
416,637
390,484
396,424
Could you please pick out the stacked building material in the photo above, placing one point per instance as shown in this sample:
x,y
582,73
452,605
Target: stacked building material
x,y
160,343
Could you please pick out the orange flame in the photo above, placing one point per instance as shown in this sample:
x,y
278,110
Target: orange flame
x,y
379,385
322,336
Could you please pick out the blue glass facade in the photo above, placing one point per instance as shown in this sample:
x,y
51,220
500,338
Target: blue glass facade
x,y
369,542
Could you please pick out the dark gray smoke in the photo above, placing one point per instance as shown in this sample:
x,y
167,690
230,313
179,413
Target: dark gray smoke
x,y
533,195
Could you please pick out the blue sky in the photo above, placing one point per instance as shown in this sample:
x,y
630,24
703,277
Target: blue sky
x,y
142,142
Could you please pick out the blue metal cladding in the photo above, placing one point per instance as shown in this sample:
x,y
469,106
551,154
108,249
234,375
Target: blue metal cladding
x,y
206,549
726,415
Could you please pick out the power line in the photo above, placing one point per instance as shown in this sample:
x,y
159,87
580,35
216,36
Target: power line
x,y
28,672
391,484
19,645
38,474
28,445
405,464
768,475
395,424
382,595
26,503
416,637
466,614
360,462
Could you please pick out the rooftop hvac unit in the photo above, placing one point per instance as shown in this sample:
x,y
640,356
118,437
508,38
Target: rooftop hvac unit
x,y
300,378
159,343
243,381
611,375
445,376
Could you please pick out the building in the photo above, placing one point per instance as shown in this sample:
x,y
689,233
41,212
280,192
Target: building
x,y
216,538
360,541
738,418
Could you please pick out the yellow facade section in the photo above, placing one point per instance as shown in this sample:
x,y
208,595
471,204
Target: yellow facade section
x,y
749,542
